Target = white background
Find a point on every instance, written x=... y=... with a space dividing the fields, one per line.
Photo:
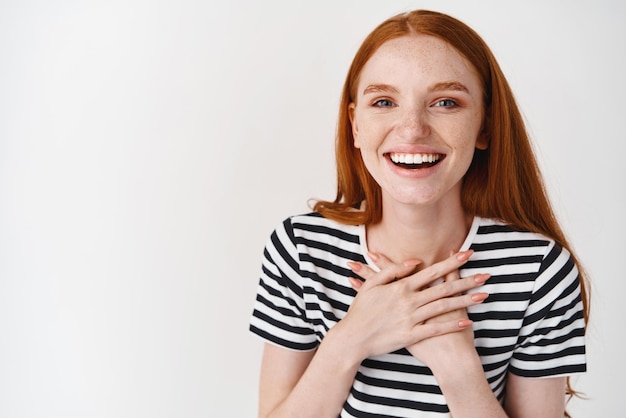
x=148 y=148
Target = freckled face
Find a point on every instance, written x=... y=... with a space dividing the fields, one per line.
x=416 y=119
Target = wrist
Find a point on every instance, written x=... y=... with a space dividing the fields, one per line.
x=467 y=390
x=457 y=368
x=343 y=347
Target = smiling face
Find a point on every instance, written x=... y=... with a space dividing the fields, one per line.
x=416 y=120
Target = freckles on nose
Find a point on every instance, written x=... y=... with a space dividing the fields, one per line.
x=415 y=123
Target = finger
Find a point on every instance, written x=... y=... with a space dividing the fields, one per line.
x=433 y=329
x=440 y=270
x=382 y=261
x=449 y=304
x=391 y=272
x=454 y=274
x=355 y=283
x=450 y=288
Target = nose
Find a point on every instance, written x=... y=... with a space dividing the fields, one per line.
x=414 y=124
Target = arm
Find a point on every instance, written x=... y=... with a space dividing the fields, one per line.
x=296 y=383
x=458 y=369
x=554 y=339
x=280 y=371
x=469 y=395
x=462 y=380
x=532 y=398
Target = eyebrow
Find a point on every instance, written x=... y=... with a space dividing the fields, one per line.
x=449 y=85
x=379 y=88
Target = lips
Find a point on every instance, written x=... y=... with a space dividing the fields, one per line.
x=415 y=161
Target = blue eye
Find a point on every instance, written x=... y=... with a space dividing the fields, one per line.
x=446 y=103
x=383 y=103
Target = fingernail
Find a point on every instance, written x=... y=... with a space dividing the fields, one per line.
x=373 y=256
x=464 y=255
x=464 y=323
x=412 y=262
x=479 y=297
x=481 y=278
x=354 y=266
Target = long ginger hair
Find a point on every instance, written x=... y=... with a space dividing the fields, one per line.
x=502 y=182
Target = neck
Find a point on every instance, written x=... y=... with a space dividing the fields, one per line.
x=425 y=233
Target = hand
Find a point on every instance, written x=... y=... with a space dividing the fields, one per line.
x=447 y=347
x=396 y=307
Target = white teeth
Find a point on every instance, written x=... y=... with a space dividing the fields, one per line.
x=414 y=158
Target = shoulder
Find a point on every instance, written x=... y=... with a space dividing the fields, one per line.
x=526 y=252
x=499 y=230
x=494 y=234
x=314 y=226
x=311 y=236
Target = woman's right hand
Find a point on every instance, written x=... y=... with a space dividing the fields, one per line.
x=393 y=304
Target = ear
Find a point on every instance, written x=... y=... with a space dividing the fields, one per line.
x=353 y=124
x=482 y=142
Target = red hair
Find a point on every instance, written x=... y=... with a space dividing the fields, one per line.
x=502 y=182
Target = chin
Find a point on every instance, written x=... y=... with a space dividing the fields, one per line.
x=414 y=199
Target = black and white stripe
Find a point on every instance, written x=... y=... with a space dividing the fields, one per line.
x=531 y=324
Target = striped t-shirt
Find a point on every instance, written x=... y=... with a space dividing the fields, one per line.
x=531 y=324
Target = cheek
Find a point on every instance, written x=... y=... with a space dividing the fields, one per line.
x=370 y=159
x=466 y=135
x=367 y=135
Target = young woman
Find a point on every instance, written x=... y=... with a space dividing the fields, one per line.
x=438 y=282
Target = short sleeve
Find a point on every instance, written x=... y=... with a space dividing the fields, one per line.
x=279 y=314
x=552 y=338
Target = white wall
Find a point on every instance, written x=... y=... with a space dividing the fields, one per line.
x=148 y=148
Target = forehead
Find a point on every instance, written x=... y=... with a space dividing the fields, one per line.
x=418 y=58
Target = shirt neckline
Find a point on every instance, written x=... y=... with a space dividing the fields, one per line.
x=464 y=247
